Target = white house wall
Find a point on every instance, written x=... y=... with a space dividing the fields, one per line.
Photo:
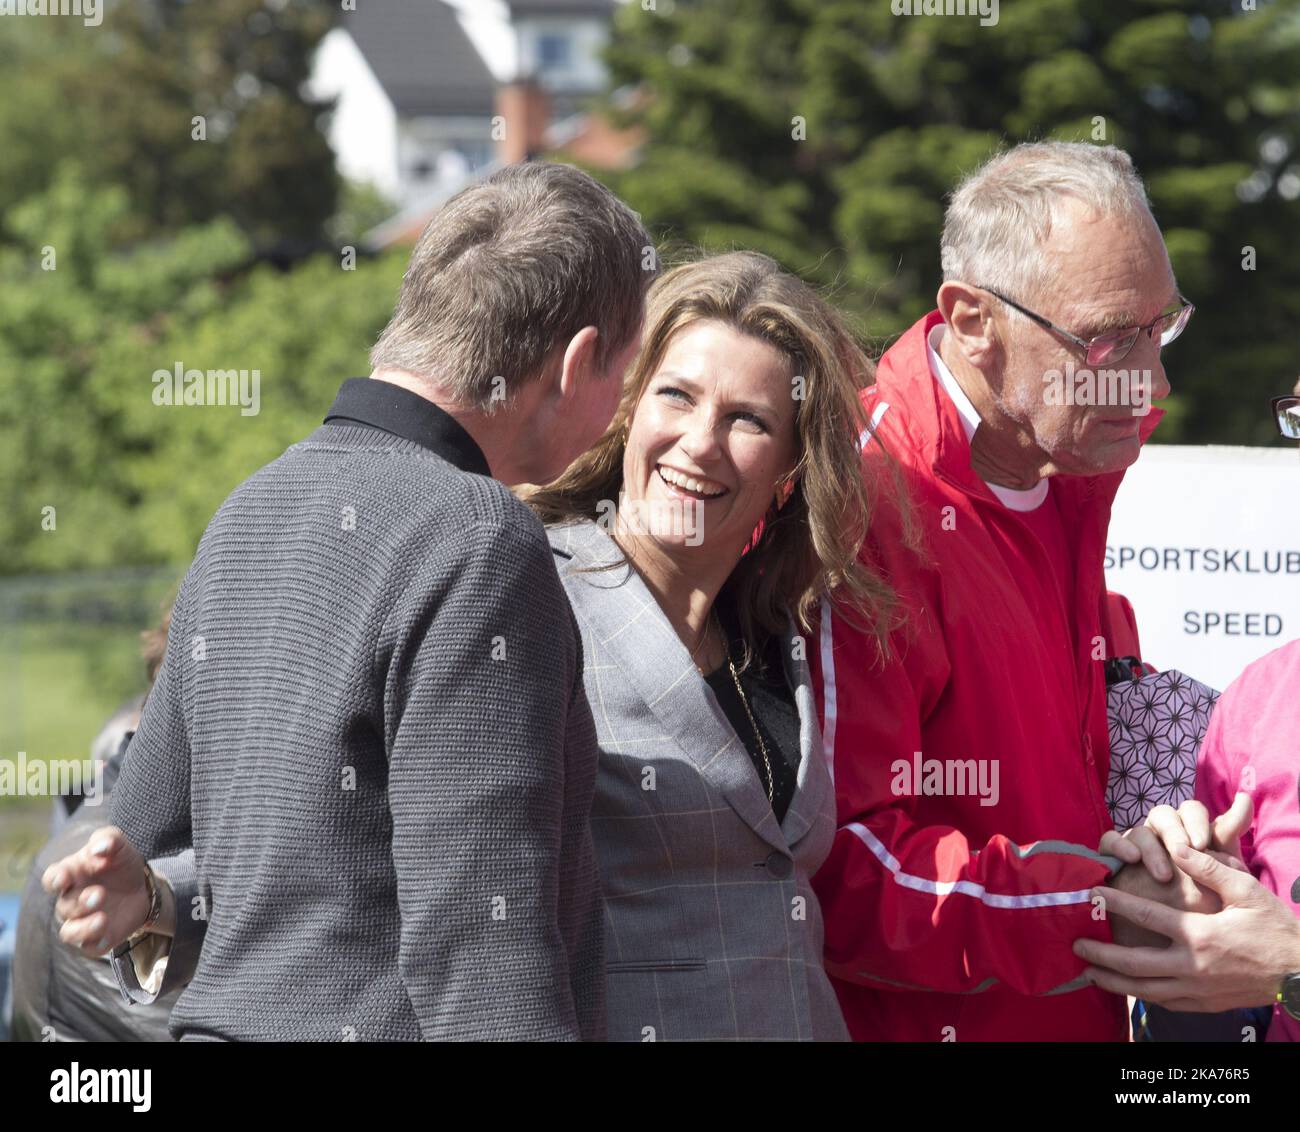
x=363 y=130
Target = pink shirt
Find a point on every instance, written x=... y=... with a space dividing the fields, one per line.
x=1253 y=745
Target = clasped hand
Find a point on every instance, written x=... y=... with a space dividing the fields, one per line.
x=1192 y=928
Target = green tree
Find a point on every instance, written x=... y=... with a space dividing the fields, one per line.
x=827 y=133
x=122 y=99
x=83 y=331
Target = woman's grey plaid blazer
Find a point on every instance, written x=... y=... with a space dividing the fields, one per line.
x=712 y=928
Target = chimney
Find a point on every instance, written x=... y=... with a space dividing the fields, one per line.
x=525 y=114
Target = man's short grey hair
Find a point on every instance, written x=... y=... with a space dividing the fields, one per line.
x=511 y=269
x=1000 y=216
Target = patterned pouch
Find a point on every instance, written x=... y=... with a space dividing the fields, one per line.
x=1157 y=721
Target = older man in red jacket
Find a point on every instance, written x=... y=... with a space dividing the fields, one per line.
x=970 y=764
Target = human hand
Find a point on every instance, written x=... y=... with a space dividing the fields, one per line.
x=1232 y=958
x=102 y=894
x=1167 y=829
x=1180 y=892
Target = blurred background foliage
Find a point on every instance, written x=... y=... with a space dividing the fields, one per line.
x=215 y=254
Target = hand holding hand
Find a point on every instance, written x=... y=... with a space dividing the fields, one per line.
x=1233 y=958
x=1167 y=830
x=1181 y=892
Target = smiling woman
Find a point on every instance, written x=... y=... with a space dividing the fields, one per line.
x=742 y=400
x=734 y=461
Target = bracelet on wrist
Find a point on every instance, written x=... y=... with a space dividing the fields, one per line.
x=155 y=907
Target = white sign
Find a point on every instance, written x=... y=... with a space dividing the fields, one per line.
x=1205 y=542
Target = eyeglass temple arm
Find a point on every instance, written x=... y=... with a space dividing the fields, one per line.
x=1047 y=324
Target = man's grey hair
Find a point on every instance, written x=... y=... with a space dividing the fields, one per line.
x=508 y=271
x=1000 y=216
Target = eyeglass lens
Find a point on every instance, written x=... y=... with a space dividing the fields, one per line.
x=1116 y=347
x=1288 y=418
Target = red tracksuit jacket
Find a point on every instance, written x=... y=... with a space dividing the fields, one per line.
x=947 y=919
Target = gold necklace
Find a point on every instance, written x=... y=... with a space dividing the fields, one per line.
x=744 y=702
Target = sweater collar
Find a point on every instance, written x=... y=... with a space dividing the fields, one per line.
x=398 y=411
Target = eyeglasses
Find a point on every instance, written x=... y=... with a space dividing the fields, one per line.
x=1113 y=347
x=1286 y=411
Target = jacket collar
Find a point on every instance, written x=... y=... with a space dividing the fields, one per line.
x=618 y=608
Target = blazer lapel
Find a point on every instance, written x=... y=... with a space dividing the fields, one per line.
x=813 y=779
x=627 y=621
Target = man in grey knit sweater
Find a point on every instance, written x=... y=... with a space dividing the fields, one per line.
x=369 y=724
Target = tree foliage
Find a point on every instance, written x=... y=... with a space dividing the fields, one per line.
x=131 y=481
x=128 y=246
x=122 y=100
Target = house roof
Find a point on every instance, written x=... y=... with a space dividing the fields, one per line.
x=421 y=56
x=561 y=8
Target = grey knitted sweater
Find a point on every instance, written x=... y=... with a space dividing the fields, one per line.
x=370 y=726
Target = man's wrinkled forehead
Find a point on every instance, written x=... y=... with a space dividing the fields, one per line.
x=1108 y=273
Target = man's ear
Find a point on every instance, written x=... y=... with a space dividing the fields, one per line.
x=968 y=313
x=579 y=362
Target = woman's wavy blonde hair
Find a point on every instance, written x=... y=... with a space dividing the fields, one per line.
x=810 y=547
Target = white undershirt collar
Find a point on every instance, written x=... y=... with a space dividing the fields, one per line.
x=1028 y=500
